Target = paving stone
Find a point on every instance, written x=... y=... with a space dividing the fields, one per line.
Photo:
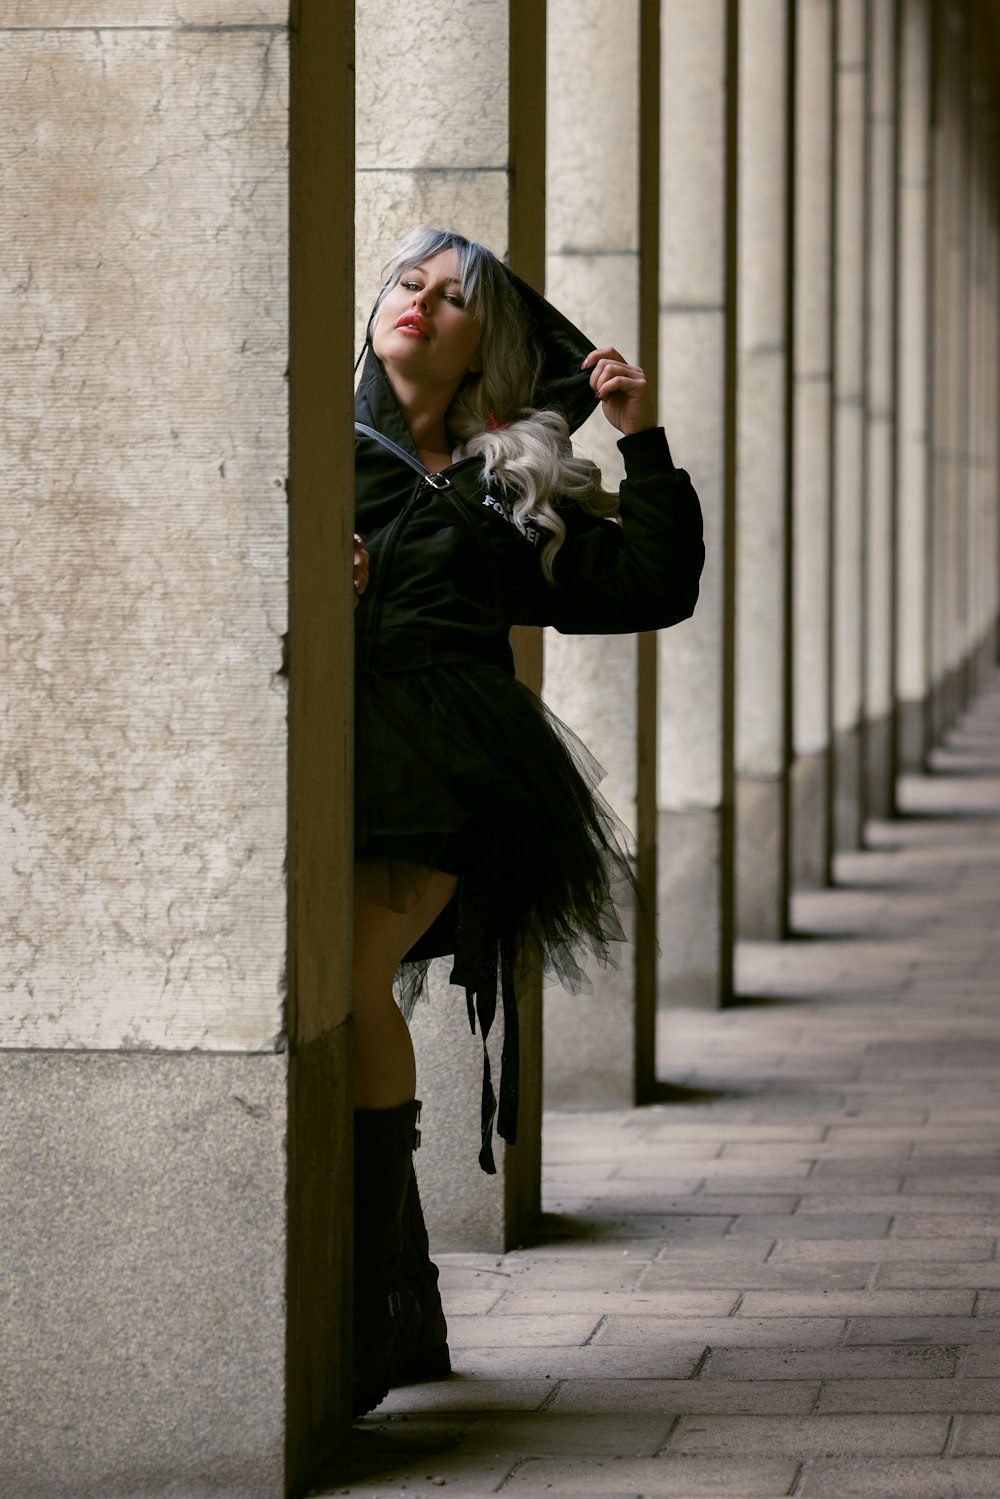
x=930 y=1330
x=918 y=1225
x=659 y=1478
x=640 y=1303
x=983 y=1363
x=928 y=1274
x=722 y=1332
x=705 y=1203
x=563 y=1433
x=814 y=1226
x=901 y=1395
x=876 y=1303
x=783 y=1276
x=977 y=1435
x=668 y=1360
x=904 y=1478
x=691 y=1396
x=889 y=1362
x=620 y=1273
x=803 y=1436
x=977 y=1247
x=462 y=1393
x=553 y=1330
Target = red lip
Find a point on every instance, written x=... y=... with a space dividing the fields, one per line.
x=414 y=322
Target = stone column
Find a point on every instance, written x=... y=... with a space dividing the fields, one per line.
x=591 y=682
x=982 y=560
x=697 y=398
x=948 y=496
x=486 y=179
x=880 y=437
x=812 y=475
x=174 y=1021
x=988 y=397
x=913 y=393
x=849 y=425
x=763 y=581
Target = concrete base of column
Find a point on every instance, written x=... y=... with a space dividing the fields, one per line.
x=847 y=808
x=144 y=1235
x=464 y=1208
x=985 y=662
x=810 y=833
x=880 y=791
x=590 y=1039
x=911 y=737
x=948 y=699
x=761 y=860
x=690 y=917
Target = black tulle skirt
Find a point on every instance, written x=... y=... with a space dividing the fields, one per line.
x=463 y=769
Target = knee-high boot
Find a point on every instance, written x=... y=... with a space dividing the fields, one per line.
x=384 y=1140
x=421 y=1351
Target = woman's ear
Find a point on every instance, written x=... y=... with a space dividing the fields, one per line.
x=475 y=365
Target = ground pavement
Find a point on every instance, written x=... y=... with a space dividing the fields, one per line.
x=786 y=1280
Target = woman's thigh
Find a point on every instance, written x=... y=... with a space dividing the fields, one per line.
x=383 y=936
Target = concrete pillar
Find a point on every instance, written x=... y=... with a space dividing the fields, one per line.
x=913 y=389
x=849 y=425
x=697 y=390
x=987 y=385
x=812 y=449
x=950 y=292
x=763 y=491
x=982 y=429
x=175 y=1023
x=880 y=436
x=464 y=149
x=592 y=682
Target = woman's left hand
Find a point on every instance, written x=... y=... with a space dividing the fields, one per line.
x=360 y=569
x=622 y=391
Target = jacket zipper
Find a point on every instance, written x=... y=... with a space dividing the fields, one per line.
x=392 y=540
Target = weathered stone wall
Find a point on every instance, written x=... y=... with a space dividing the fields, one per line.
x=144 y=773
x=142 y=784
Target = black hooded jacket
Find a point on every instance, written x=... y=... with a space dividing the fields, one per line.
x=450 y=573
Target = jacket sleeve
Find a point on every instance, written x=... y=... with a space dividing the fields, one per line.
x=640 y=575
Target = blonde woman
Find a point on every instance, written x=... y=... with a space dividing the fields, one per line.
x=479 y=833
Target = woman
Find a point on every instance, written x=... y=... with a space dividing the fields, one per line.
x=478 y=832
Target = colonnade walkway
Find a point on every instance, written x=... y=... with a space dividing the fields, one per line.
x=785 y=1278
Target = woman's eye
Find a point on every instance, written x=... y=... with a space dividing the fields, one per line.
x=410 y=285
x=456 y=301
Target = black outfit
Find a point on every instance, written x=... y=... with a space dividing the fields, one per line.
x=458 y=766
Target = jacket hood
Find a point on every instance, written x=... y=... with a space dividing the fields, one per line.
x=562 y=385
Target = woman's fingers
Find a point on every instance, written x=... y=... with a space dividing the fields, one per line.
x=622 y=389
x=360 y=569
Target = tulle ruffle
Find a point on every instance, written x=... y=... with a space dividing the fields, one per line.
x=463 y=769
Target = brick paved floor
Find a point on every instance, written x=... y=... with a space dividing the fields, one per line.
x=785 y=1280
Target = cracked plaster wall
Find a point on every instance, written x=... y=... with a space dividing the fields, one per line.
x=143 y=555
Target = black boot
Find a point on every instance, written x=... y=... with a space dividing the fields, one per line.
x=384 y=1140
x=422 y=1349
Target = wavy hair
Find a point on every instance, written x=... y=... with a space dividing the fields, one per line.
x=532 y=456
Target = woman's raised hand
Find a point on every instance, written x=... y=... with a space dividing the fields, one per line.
x=360 y=569
x=622 y=391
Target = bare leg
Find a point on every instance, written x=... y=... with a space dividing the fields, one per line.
x=385 y=1071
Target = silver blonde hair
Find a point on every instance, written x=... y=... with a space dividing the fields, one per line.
x=532 y=456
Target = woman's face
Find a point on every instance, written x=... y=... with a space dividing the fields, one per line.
x=424 y=331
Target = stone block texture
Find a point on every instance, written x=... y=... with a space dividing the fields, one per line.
x=143 y=558
x=143 y=1242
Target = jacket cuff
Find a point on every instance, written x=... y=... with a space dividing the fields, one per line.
x=646 y=451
